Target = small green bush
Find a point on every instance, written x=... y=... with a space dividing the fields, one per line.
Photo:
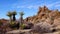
x=12 y=23
x=22 y=26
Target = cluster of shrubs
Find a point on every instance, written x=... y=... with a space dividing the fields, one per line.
x=27 y=26
x=22 y=26
x=14 y=25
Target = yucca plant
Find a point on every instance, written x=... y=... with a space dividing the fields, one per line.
x=22 y=26
x=9 y=14
x=14 y=13
x=12 y=25
x=21 y=17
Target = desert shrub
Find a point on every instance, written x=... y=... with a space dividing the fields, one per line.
x=14 y=25
x=22 y=26
x=26 y=26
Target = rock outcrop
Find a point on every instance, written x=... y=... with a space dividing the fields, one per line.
x=45 y=21
x=44 y=14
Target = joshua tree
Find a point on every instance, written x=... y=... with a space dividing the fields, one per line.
x=14 y=13
x=9 y=14
x=21 y=18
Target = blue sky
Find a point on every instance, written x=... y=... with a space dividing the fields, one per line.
x=30 y=7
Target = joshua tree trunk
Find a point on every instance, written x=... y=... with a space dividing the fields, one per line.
x=14 y=17
x=21 y=20
x=10 y=20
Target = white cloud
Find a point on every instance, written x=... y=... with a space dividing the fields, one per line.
x=55 y=4
x=28 y=6
x=33 y=6
x=20 y=6
x=15 y=5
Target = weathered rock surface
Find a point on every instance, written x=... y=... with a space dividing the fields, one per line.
x=42 y=27
x=44 y=14
x=45 y=20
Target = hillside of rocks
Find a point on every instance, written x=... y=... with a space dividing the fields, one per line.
x=45 y=21
x=44 y=14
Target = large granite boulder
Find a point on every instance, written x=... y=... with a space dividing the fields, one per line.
x=42 y=27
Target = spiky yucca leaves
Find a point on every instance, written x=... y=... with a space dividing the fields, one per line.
x=21 y=13
x=9 y=14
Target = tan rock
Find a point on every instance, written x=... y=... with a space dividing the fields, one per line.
x=44 y=14
x=57 y=22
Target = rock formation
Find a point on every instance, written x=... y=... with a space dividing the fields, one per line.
x=45 y=21
x=44 y=14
